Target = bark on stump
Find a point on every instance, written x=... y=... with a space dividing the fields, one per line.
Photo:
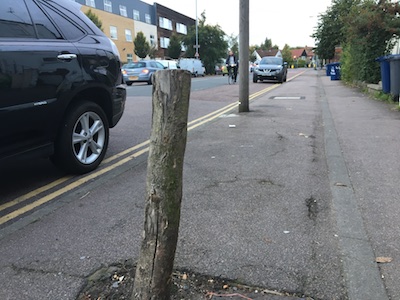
x=171 y=92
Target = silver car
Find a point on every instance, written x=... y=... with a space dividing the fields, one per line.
x=141 y=71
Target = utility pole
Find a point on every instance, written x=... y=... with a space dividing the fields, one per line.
x=244 y=56
x=197 y=36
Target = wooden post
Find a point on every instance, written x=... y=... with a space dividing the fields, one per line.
x=171 y=92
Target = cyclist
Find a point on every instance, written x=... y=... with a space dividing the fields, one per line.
x=232 y=60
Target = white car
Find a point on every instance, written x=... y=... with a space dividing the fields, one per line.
x=193 y=65
x=169 y=64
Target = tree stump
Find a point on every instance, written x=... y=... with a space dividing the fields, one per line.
x=171 y=92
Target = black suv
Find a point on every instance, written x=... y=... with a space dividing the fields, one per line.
x=60 y=84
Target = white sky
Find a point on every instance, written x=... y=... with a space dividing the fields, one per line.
x=283 y=21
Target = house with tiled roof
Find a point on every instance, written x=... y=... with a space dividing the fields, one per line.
x=300 y=53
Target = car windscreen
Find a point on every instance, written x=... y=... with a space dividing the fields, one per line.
x=271 y=61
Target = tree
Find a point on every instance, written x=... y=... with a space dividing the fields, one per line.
x=142 y=46
x=364 y=29
x=233 y=44
x=267 y=44
x=252 y=48
x=95 y=19
x=330 y=31
x=287 y=54
x=212 y=42
x=153 y=51
x=175 y=47
x=163 y=185
x=369 y=34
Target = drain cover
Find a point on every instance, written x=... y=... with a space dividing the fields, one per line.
x=288 y=97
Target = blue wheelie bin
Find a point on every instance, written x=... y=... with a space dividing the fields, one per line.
x=394 y=61
x=385 y=73
x=335 y=71
x=328 y=69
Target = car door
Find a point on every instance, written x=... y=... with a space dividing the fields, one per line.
x=36 y=65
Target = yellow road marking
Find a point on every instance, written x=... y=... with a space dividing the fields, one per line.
x=34 y=193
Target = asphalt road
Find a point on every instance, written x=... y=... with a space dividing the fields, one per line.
x=300 y=195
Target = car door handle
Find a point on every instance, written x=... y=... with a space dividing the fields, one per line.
x=66 y=57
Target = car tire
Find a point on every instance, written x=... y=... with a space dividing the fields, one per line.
x=129 y=83
x=83 y=138
x=149 y=82
x=255 y=80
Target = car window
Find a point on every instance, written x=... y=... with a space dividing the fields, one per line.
x=77 y=17
x=15 y=21
x=136 y=65
x=158 y=65
x=271 y=61
x=69 y=29
x=44 y=27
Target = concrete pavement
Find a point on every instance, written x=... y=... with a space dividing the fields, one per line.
x=299 y=195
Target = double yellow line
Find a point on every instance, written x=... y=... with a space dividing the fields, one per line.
x=126 y=156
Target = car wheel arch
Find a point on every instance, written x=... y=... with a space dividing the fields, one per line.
x=97 y=95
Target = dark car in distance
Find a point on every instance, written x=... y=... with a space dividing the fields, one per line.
x=141 y=71
x=270 y=68
x=61 y=87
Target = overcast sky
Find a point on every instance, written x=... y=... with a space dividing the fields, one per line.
x=283 y=21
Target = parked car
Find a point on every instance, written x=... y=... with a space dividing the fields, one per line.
x=60 y=84
x=140 y=71
x=270 y=68
x=193 y=65
x=169 y=64
x=224 y=70
x=217 y=70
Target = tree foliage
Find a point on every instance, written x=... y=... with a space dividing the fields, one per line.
x=253 y=48
x=142 y=46
x=175 y=46
x=266 y=45
x=369 y=35
x=287 y=54
x=95 y=19
x=364 y=29
x=330 y=31
x=233 y=44
x=212 y=42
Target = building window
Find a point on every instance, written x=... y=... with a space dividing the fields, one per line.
x=122 y=11
x=136 y=15
x=128 y=35
x=113 y=33
x=152 y=40
x=108 y=6
x=129 y=57
x=90 y=3
x=164 y=42
x=181 y=28
x=165 y=23
x=148 y=18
